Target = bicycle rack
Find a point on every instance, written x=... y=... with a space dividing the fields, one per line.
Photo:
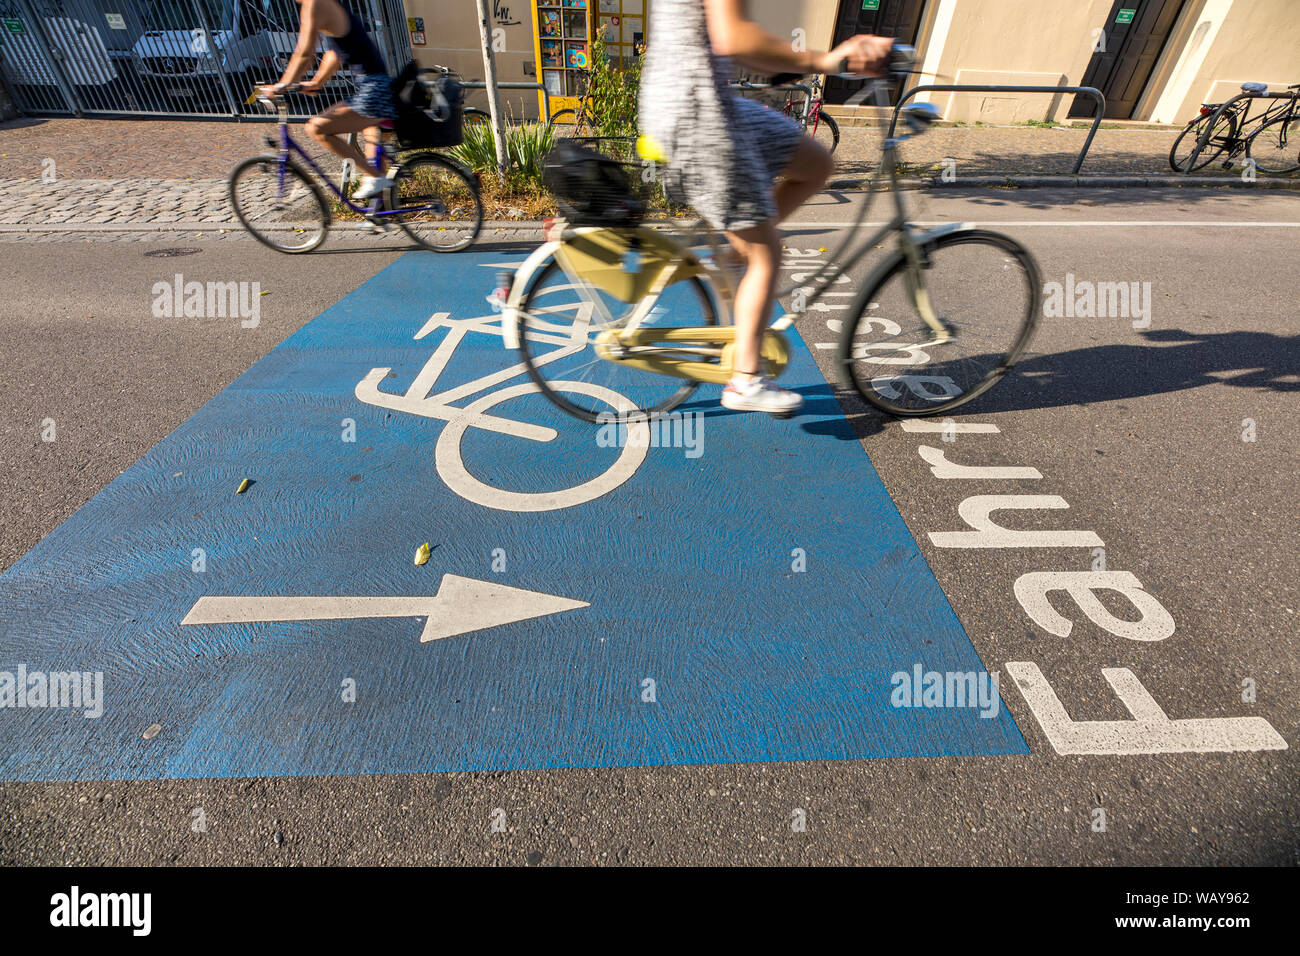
x=1096 y=94
x=1204 y=139
x=512 y=85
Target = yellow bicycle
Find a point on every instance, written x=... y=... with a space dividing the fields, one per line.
x=626 y=306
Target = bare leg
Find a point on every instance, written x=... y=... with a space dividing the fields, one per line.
x=760 y=249
x=809 y=169
x=760 y=246
x=331 y=127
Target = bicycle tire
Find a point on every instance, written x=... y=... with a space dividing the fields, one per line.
x=473 y=117
x=565 y=372
x=824 y=130
x=888 y=270
x=579 y=128
x=247 y=217
x=427 y=180
x=1211 y=151
x=1280 y=139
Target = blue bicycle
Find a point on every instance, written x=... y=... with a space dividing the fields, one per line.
x=434 y=199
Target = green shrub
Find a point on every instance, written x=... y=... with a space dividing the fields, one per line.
x=526 y=146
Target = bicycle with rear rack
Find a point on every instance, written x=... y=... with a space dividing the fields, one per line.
x=806 y=110
x=938 y=322
x=434 y=199
x=1270 y=141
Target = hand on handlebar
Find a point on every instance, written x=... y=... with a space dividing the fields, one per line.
x=862 y=55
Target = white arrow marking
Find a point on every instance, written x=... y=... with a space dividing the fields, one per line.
x=460 y=606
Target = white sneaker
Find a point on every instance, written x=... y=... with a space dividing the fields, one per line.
x=372 y=186
x=760 y=395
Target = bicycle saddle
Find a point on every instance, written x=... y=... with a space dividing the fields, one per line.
x=1254 y=87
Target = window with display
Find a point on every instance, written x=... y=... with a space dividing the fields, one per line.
x=623 y=25
x=563 y=47
x=565 y=29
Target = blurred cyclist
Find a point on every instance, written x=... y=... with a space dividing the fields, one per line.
x=728 y=150
x=346 y=44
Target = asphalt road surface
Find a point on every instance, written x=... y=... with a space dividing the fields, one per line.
x=1175 y=445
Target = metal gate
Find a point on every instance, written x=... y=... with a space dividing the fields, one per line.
x=167 y=57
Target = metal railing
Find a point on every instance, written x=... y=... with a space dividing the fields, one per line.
x=1096 y=94
x=512 y=85
x=198 y=58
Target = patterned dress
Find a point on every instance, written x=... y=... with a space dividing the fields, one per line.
x=723 y=150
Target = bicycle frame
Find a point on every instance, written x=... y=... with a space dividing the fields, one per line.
x=1239 y=107
x=288 y=146
x=911 y=241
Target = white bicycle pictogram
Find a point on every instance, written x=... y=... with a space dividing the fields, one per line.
x=421 y=399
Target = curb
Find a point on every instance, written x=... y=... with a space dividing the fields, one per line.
x=1081 y=182
x=230 y=227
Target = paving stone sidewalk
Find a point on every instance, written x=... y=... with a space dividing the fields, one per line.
x=162 y=172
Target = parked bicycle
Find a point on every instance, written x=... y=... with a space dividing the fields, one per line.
x=1271 y=140
x=434 y=199
x=806 y=110
x=939 y=321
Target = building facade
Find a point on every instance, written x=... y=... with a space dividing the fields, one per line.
x=1155 y=60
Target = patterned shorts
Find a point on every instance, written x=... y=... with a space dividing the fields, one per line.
x=374 y=96
x=738 y=195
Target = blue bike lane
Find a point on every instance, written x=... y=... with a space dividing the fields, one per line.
x=747 y=597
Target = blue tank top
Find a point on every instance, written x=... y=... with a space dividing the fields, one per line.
x=355 y=48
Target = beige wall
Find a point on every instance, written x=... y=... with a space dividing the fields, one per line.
x=451 y=32
x=1013 y=42
x=1219 y=45
x=816 y=18
x=1214 y=47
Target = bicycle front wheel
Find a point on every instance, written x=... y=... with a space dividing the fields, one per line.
x=437 y=203
x=279 y=205
x=562 y=315
x=981 y=288
x=1276 y=147
x=825 y=131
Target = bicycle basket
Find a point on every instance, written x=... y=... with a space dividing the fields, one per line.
x=590 y=188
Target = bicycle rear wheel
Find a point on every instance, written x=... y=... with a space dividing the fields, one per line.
x=473 y=117
x=1224 y=131
x=983 y=288
x=287 y=213
x=437 y=203
x=1276 y=147
x=561 y=316
x=571 y=124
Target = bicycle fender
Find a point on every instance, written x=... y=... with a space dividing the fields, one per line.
x=523 y=276
x=844 y=352
x=843 y=355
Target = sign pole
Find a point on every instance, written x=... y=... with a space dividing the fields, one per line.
x=490 y=76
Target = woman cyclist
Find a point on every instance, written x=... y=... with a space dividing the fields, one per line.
x=728 y=179
x=346 y=44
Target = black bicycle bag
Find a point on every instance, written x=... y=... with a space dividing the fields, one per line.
x=429 y=113
x=591 y=189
